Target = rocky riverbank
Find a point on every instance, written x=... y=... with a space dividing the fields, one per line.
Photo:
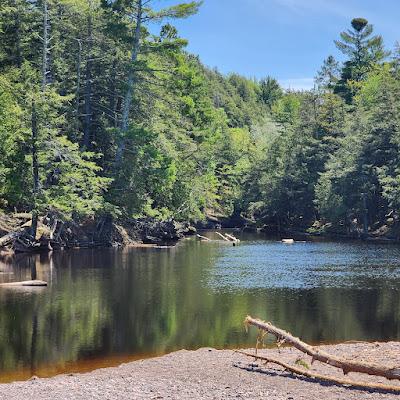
x=211 y=374
x=54 y=233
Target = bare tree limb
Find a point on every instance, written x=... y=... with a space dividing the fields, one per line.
x=345 y=365
x=341 y=381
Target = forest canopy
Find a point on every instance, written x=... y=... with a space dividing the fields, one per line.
x=101 y=115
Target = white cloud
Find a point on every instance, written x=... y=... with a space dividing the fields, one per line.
x=297 y=83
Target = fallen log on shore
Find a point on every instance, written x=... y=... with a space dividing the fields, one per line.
x=345 y=365
x=53 y=233
x=327 y=378
x=34 y=283
x=9 y=238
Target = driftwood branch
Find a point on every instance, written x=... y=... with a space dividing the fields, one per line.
x=345 y=365
x=203 y=238
x=228 y=238
x=9 y=238
x=222 y=236
x=24 y=283
x=231 y=237
x=299 y=371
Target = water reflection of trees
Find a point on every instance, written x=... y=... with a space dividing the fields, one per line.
x=49 y=325
x=140 y=300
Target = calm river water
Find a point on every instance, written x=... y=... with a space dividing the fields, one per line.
x=103 y=307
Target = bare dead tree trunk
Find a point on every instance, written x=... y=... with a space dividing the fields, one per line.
x=131 y=82
x=88 y=87
x=45 y=52
x=327 y=378
x=365 y=214
x=78 y=81
x=34 y=123
x=18 y=38
x=345 y=365
x=113 y=101
x=35 y=170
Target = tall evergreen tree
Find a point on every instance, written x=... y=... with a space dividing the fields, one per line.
x=142 y=14
x=270 y=91
x=328 y=76
x=364 y=50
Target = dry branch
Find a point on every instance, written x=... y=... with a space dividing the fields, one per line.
x=345 y=365
x=231 y=237
x=203 y=238
x=223 y=237
x=24 y=283
x=298 y=371
x=9 y=238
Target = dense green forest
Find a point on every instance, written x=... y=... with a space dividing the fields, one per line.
x=102 y=111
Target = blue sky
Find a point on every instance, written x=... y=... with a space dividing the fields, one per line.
x=287 y=39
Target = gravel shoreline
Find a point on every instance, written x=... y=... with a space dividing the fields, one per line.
x=210 y=374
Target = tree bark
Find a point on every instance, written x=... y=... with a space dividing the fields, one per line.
x=345 y=365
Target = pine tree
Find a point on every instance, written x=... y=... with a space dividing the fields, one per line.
x=328 y=76
x=364 y=50
x=142 y=14
x=270 y=91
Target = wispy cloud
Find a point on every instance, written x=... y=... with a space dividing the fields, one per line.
x=306 y=7
x=344 y=9
x=297 y=83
